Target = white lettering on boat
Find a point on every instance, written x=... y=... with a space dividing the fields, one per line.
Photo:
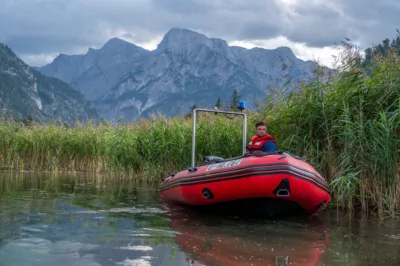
x=224 y=164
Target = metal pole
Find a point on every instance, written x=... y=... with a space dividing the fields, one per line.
x=244 y=133
x=215 y=111
x=193 y=136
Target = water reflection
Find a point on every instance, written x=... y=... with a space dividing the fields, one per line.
x=100 y=220
x=66 y=220
x=210 y=240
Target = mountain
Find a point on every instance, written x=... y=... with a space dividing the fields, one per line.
x=98 y=70
x=187 y=68
x=26 y=93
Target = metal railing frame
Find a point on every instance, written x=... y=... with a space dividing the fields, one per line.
x=194 y=114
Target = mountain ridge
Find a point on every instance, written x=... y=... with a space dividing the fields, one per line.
x=126 y=80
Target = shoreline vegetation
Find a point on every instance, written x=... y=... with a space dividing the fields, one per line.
x=347 y=125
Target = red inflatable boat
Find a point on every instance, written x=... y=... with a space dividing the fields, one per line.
x=257 y=176
x=268 y=182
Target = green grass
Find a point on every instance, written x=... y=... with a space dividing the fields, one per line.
x=348 y=128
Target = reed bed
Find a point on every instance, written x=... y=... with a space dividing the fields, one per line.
x=348 y=127
x=147 y=150
x=346 y=124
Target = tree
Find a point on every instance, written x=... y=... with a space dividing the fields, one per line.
x=194 y=106
x=368 y=60
x=234 y=100
x=218 y=104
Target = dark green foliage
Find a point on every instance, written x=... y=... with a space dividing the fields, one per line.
x=234 y=100
x=218 y=104
x=382 y=49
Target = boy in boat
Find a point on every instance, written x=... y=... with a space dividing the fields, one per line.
x=262 y=141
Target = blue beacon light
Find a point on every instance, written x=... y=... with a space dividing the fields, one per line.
x=242 y=105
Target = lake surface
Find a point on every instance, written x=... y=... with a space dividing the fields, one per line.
x=48 y=219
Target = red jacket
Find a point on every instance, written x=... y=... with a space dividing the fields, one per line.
x=256 y=143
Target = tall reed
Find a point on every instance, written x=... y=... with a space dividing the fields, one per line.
x=348 y=128
x=148 y=149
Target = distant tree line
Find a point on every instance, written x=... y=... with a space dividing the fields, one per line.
x=382 y=49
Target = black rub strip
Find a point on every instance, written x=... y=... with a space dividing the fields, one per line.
x=249 y=174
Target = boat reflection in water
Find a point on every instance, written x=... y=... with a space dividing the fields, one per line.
x=209 y=239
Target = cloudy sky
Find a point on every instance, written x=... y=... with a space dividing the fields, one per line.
x=38 y=30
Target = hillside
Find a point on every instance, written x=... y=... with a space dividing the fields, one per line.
x=26 y=93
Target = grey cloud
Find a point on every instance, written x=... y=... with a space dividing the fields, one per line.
x=47 y=43
x=51 y=25
x=364 y=21
x=64 y=26
x=59 y=24
x=323 y=11
x=372 y=21
x=384 y=10
x=183 y=6
x=317 y=25
x=229 y=20
x=258 y=30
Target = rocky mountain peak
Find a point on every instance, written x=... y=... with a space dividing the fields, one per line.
x=177 y=38
x=285 y=51
x=119 y=45
x=113 y=42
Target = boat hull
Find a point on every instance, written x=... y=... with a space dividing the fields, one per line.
x=274 y=176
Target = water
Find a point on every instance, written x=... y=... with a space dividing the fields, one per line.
x=84 y=220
